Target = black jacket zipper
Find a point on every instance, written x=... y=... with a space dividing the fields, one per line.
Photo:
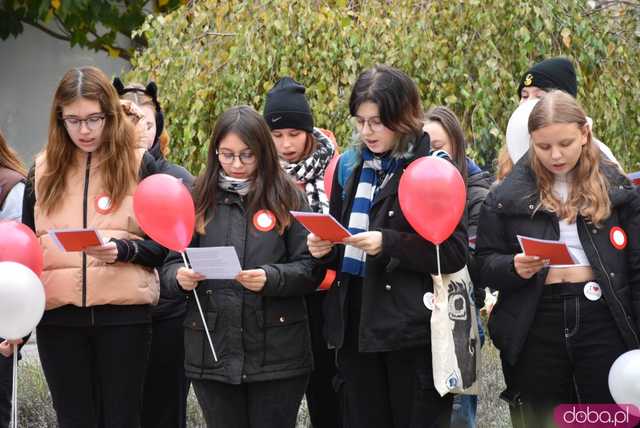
x=84 y=225
x=606 y=274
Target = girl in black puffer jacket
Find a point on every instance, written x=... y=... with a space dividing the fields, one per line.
x=374 y=313
x=258 y=321
x=561 y=328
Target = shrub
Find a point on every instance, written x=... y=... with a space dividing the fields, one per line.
x=467 y=54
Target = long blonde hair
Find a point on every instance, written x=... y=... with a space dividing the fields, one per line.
x=588 y=195
x=119 y=167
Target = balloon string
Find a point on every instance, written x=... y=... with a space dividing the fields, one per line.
x=204 y=322
x=14 y=389
x=438 y=258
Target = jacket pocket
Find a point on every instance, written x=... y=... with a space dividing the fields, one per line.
x=286 y=331
x=197 y=352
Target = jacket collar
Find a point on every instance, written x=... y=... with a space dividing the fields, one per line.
x=518 y=193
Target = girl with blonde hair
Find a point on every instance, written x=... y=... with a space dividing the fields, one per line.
x=560 y=328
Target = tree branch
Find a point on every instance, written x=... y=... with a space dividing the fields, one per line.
x=48 y=31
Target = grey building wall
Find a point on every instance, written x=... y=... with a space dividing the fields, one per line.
x=31 y=67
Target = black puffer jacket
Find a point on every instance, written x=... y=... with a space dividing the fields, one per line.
x=478 y=185
x=170 y=305
x=392 y=315
x=257 y=336
x=510 y=210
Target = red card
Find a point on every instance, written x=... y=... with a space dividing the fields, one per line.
x=322 y=225
x=75 y=239
x=634 y=177
x=555 y=251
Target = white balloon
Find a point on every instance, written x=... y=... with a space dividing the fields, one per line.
x=518 y=130
x=624 y=379
x=21 y=300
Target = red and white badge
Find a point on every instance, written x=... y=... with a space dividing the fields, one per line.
x=618 y=238
x=264 y=220
x=592 y=291
x=102 y=204
x=428 y=300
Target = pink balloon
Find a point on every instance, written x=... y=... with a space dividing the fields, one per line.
x=164 y=210
x=328 y=175
x=432 y=197
x=19 y=244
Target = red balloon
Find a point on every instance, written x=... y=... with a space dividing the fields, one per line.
x=432 y=197
x=328 y=175
x=164 y=210
x=19 y=244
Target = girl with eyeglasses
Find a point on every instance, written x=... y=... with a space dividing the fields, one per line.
x=164 y=403
x=305 y=153
x=95 y=335
x=560 y=328
x=258 y=321
x=374 y=315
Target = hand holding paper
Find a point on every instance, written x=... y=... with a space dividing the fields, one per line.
x=252 y=279
x=317 y=246
x=107 y=253
x=188 y=279
x=527 y=266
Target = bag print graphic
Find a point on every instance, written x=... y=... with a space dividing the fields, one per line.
x=455 y=342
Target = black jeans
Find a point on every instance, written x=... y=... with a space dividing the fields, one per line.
x=268 y=404
x=324 y=410
x=566 y=358
x=387 y=389
x=95 y=374
x=6 y=383
x=164 y=403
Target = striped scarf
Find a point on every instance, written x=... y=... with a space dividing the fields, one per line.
x=309 y=172
x=376 y=172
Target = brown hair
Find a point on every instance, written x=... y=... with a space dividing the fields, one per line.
x=9 y=159
x=588 y=195
x=271 y=187
x=451 y=126
x=504 y=164
x=140 y=98
x=398 y=101
x=118 y=167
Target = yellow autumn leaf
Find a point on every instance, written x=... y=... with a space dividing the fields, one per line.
x=113 y=52
x=566 y=37
x=55 y=4
x=162 y=3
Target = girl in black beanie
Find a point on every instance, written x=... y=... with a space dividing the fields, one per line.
x=305 y=153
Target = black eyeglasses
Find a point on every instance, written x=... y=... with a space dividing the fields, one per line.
x=227 y=158
x=92 y=122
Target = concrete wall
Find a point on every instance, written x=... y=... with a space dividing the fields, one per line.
x=32 y=66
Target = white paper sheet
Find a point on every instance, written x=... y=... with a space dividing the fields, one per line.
x=215 y=262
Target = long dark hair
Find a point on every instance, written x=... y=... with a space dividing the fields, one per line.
x=271 y=187
x=398 y=101
x=451 y=125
